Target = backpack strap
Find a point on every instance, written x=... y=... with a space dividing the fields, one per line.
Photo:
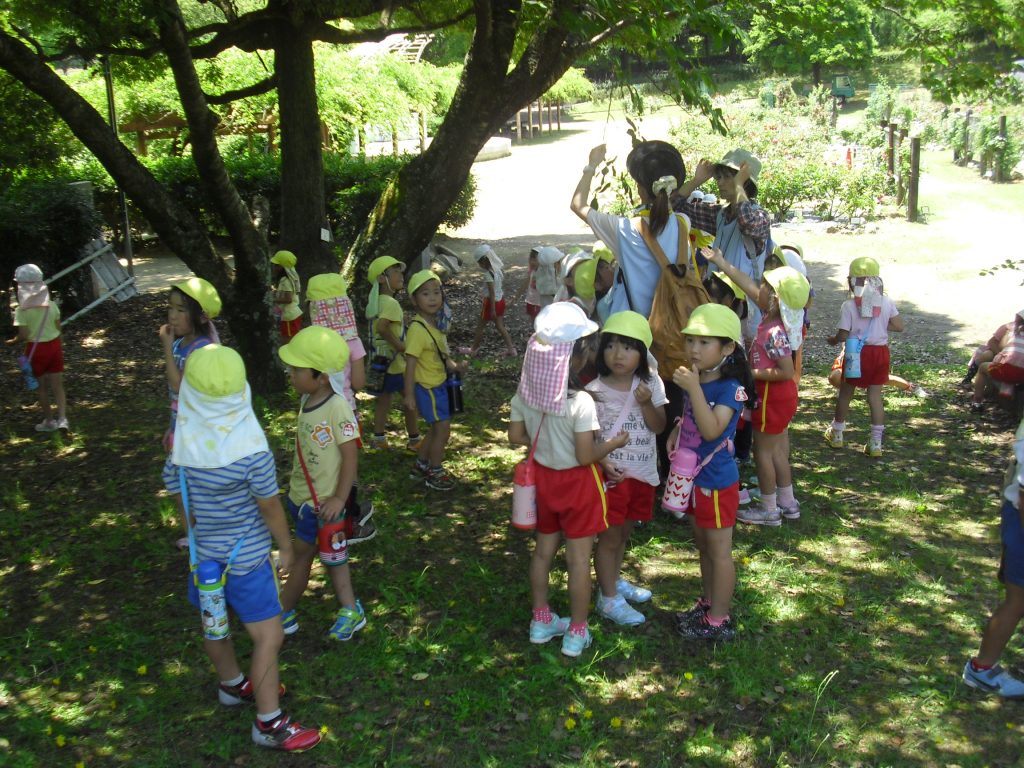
x=644 y=228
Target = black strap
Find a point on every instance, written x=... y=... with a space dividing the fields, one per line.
x=444 y=360
x=621 y=277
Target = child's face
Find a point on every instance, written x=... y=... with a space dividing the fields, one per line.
x=303 y=380
x=765 y=295
x=605 y=276
x=621 y=357
x=584 y=352
x=428 y=298
x=534 y=262
x=706 y=352
x=394 y=276
x=177 y=315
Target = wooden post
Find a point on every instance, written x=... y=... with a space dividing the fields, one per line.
x=558 y=115
x=394 y=141
x=915 y=177
x=550 y=122
x=967 y=137
x=890 y=152
x=423 y=131
x=1002 y=150
x=529 y=117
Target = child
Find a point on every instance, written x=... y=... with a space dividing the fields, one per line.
x=549 y=260
x=1001 y=337
x=323 y=471
x=630 y=398
x=552 y=409
x=780 y=298
x=869 y=316
x=604 y=279
x=1006 y=368
x=387 y=339
x=37 y=318
x=427 y=363
x=493 y=296
x=715 y=391
x=193 y=304
x=529 y=288
x=221 y=464
x=983 y=671
x=286 y=294
x=330 y=307
x=580 y=272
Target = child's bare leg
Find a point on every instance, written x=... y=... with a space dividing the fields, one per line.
x=423 y=452
x=899 y=381
x=380 y=413
x=981 y=383
x=298 y=578
x=764 y=458
x=846 y=391
x=341 y=579
x=412 y=426
x=780 y=461
x=707 y=566
x=1001 y=626
x=222 y=654
x=267 y=637
x=478 y=336
x=875 y=404
x=723 y=582
x=440 y=432
x=611 y=548
x=540 y=567
x=577 y=558
x=59 y=398
x=44 y=395
x=500 y=323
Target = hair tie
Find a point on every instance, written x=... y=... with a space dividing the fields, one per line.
x=666 y=184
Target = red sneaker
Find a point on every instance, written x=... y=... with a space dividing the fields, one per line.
x=243 y=693
x=285 y=734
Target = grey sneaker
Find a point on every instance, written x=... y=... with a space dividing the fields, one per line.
x=791 y=512
x=995 y=680
x=758 y=515
x=618 y=610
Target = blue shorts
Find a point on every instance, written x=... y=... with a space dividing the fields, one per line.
x=306 y=522
x=252 y=596
x=1011 y=569
x=393 y=382
x=433 y=403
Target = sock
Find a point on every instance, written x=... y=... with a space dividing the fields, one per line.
x=414 y=437
x=838 y=427
x=379 y=434
x=876 y=432
x=715 y=622
x=235 y=681
x=980 y=667
x=785 y=495
x=270 y=717
x=421 y=464
x=543 y=615
x=436 y=470
x=768 y=502
x=578 y=629
x=703 y=603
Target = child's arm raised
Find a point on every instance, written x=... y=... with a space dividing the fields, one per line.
x=743 y=280
x=332 y=507
x=273 y=516
x=711 y=422
x=170 y=367
x=580 y=204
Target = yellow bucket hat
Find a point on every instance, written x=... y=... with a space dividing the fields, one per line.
x=630 y=324
x=602 y=252
x=215 y=370
x=420 y=278
x=738 y=292
x=379 y=266
x=583 y=279
x=203 y=292
x=864 y=266
x=714 y=320
x=329 y=285
x=284 y=259
x=316 y=347
x=791 y=287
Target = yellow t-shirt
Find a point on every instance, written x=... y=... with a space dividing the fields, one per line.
x=321 y=431
x=419 y=343
x=292 y=310
x=33 y=317
x=389 y=309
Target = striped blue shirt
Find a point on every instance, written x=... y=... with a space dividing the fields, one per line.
x=223 y=503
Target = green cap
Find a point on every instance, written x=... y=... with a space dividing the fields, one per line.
x=315 y=347
x=791 y=287
x=714 y=320
x=203 y=292
x=630 y=324
x=420 y=278
x=379 y=265
x=215 y=370
x=864 y=266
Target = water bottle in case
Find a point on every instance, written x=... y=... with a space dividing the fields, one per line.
x=213 y=605
x=454 y=385
x=31 y=382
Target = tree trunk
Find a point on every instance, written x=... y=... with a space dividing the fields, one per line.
x=816 y=72
x=248 y=313
x=303 y=209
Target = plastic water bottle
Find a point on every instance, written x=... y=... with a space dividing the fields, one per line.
x=31 y=382
x=454 y=385
x=213 y=605
x=333 y=544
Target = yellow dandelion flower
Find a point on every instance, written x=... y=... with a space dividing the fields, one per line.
x=55 y=682
x=569 y=724
x=587 y=714
x=60 y=740
x=573 y=709
x=426 y=702
x=746 y=561
x=79 y=764
x=142 y=669
x=616 y=722
x=688 y=675
x=92 y=649
x=49 y=730
x=323 y=730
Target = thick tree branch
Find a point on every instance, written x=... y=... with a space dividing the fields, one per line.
x=263 y=86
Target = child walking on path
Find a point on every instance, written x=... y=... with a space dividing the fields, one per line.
x=323 y=471
x=387 y=340
x=867 y=317
x=37 y=318
x=286 y=294
x=983 y=671
x=781 y=297
x=493 y=295
x=427 y=363
x=222 y=475
x=715 y=390
x=552 y=411
x=529 y=288
x=630 y=398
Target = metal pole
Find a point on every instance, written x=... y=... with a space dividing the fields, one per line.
x=915 y=177
x=112 y=117
x=1002 y=149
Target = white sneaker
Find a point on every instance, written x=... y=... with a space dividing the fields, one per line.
x=47 y=425
x=63 y=424
x=632 y=592
x=758 y=515
x=619 y=611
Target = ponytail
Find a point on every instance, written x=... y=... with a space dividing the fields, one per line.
x=736 y=367
x=660 y=211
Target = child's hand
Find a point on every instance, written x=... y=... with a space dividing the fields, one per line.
x=743 y=174
x=642 y=394
x=833 y=340
x=285 y=558
x=331 y=509
x=597 y=155
x=619 y=441
x=705 y=171
x=166 y=337
x=410 y=403
x=713 y=255
x=686 y=378
x=462 y=367
x=611 y=472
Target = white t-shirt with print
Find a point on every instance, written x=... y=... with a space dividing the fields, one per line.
x=638 y=459
x=556 y=446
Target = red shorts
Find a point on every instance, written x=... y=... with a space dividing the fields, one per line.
x=532 y=309
x=776 y=406
x=1002 y=372
x=630 y=499
x=491 y=311
x=874 y=366
x=290 y=327
x=571 y=501
x=48 y=357
x=715 y=509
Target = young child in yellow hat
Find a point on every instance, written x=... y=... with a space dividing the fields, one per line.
x=287 y=296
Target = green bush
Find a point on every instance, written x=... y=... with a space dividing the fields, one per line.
x=996 y=150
